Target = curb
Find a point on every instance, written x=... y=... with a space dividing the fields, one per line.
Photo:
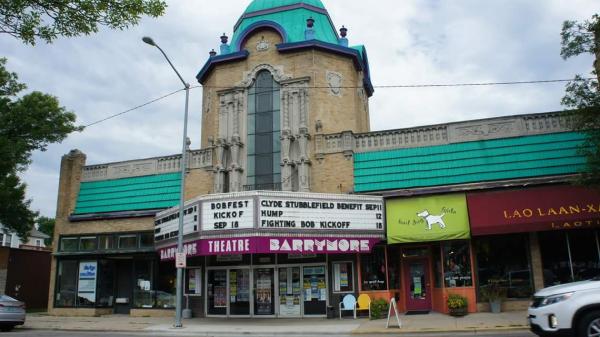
x=435 y=330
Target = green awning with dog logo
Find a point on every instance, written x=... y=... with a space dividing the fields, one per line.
x=430 y=218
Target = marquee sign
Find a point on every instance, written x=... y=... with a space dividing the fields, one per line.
x=259 y=245
x=319 y=214
x=166 y=224
x=227 y=214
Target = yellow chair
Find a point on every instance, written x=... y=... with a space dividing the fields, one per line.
x=364 y=303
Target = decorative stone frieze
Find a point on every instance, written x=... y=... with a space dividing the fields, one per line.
x=334 y=81
x=249 y=76
x=349 y=143
x=197 y=159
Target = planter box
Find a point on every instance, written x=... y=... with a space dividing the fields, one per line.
x=458 y=312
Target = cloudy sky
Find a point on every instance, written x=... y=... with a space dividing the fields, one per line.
x=409 y=42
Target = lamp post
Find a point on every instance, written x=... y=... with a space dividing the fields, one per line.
x=178 y=293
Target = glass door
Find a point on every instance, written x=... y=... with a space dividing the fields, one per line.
x=239 y=292
x=216 y=291
x=264 y=286
x=289 y=292
x=315 y=290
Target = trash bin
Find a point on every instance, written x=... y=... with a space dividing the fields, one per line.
x=331 y=311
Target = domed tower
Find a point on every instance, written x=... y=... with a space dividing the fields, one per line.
x=285 y=76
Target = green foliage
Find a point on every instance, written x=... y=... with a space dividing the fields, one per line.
x=46 y=226
x=583 y=95
x=27 y=123
x=379 y=308
x=29 y=20
x=456 y=301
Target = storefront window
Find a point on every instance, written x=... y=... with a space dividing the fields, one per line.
x=343 y=276
x=193 y=283
x=504 y=260
x=66 y=285
x=127 y=241
x=106 y=269
x=394 y=266
x=69 y=244
x=372 y=269
x=106 y=242
x=86 y=283
x=457 y=264
x=142 y=288
x=87 y=243
x=556 y=247
x=436 y=254
x=165 y=291
x=146 y=240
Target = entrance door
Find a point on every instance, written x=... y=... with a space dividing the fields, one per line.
x=124 y=286
x=418 y=292
x=216 y=292
x=264 y=286
x=239 y=292
x=289 y=292
x=314 y=290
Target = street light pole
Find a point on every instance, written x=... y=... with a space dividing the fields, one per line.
x=179 y=291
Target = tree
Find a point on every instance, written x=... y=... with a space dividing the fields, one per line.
x=46 y=226
x=583 y=94
x=27 y=123
x=29 y=20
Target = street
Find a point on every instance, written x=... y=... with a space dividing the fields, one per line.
x=51 y=333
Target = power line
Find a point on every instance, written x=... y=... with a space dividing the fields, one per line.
x=134 y=108
x=355 y=87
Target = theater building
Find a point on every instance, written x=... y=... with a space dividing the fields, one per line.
x=292 y=202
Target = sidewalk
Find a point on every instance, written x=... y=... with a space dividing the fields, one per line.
x=433 y=322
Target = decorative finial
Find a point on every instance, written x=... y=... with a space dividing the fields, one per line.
x=212 y=53
x=310 y=22
x=343 y=31
x=224 y=38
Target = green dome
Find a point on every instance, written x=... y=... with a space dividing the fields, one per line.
x=259 y=5
x=288 y=17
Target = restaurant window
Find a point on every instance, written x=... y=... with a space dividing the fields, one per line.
x=69 y=244
x=106 y=242
x=556 y=247
x=504 y=260
x=343 y=276
x=372 y=270
x=66 y=283
x=128 y=241
x=87 y=243
x=394 y=266
x=457 y=264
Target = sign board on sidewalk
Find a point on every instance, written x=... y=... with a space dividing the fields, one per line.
x=393 y=305
x=180 y=261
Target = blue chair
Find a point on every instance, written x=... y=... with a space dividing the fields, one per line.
x=348 y=304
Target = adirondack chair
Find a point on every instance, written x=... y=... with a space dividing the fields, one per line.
x=348 y=304
x=364 y=303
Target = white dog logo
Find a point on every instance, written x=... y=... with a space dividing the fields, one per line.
x=432 y=219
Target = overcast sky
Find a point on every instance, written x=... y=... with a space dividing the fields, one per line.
x=408 y=42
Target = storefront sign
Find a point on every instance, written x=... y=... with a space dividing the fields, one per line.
x=86 y=287
x=431 y=218
x=320 y=214
x=167 y=222
x=534 y=209
x=255 y=245
x=227 y=214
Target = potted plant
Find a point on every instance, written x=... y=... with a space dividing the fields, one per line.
x=457 y=305
x=493 y=292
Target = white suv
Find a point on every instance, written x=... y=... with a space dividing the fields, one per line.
x=571 y=309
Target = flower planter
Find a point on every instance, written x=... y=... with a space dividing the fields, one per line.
x=458 y=312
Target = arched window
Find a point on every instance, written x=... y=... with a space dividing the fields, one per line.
x=263 y=143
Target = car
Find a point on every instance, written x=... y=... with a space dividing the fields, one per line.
x=571 y=309
x=12 y=313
